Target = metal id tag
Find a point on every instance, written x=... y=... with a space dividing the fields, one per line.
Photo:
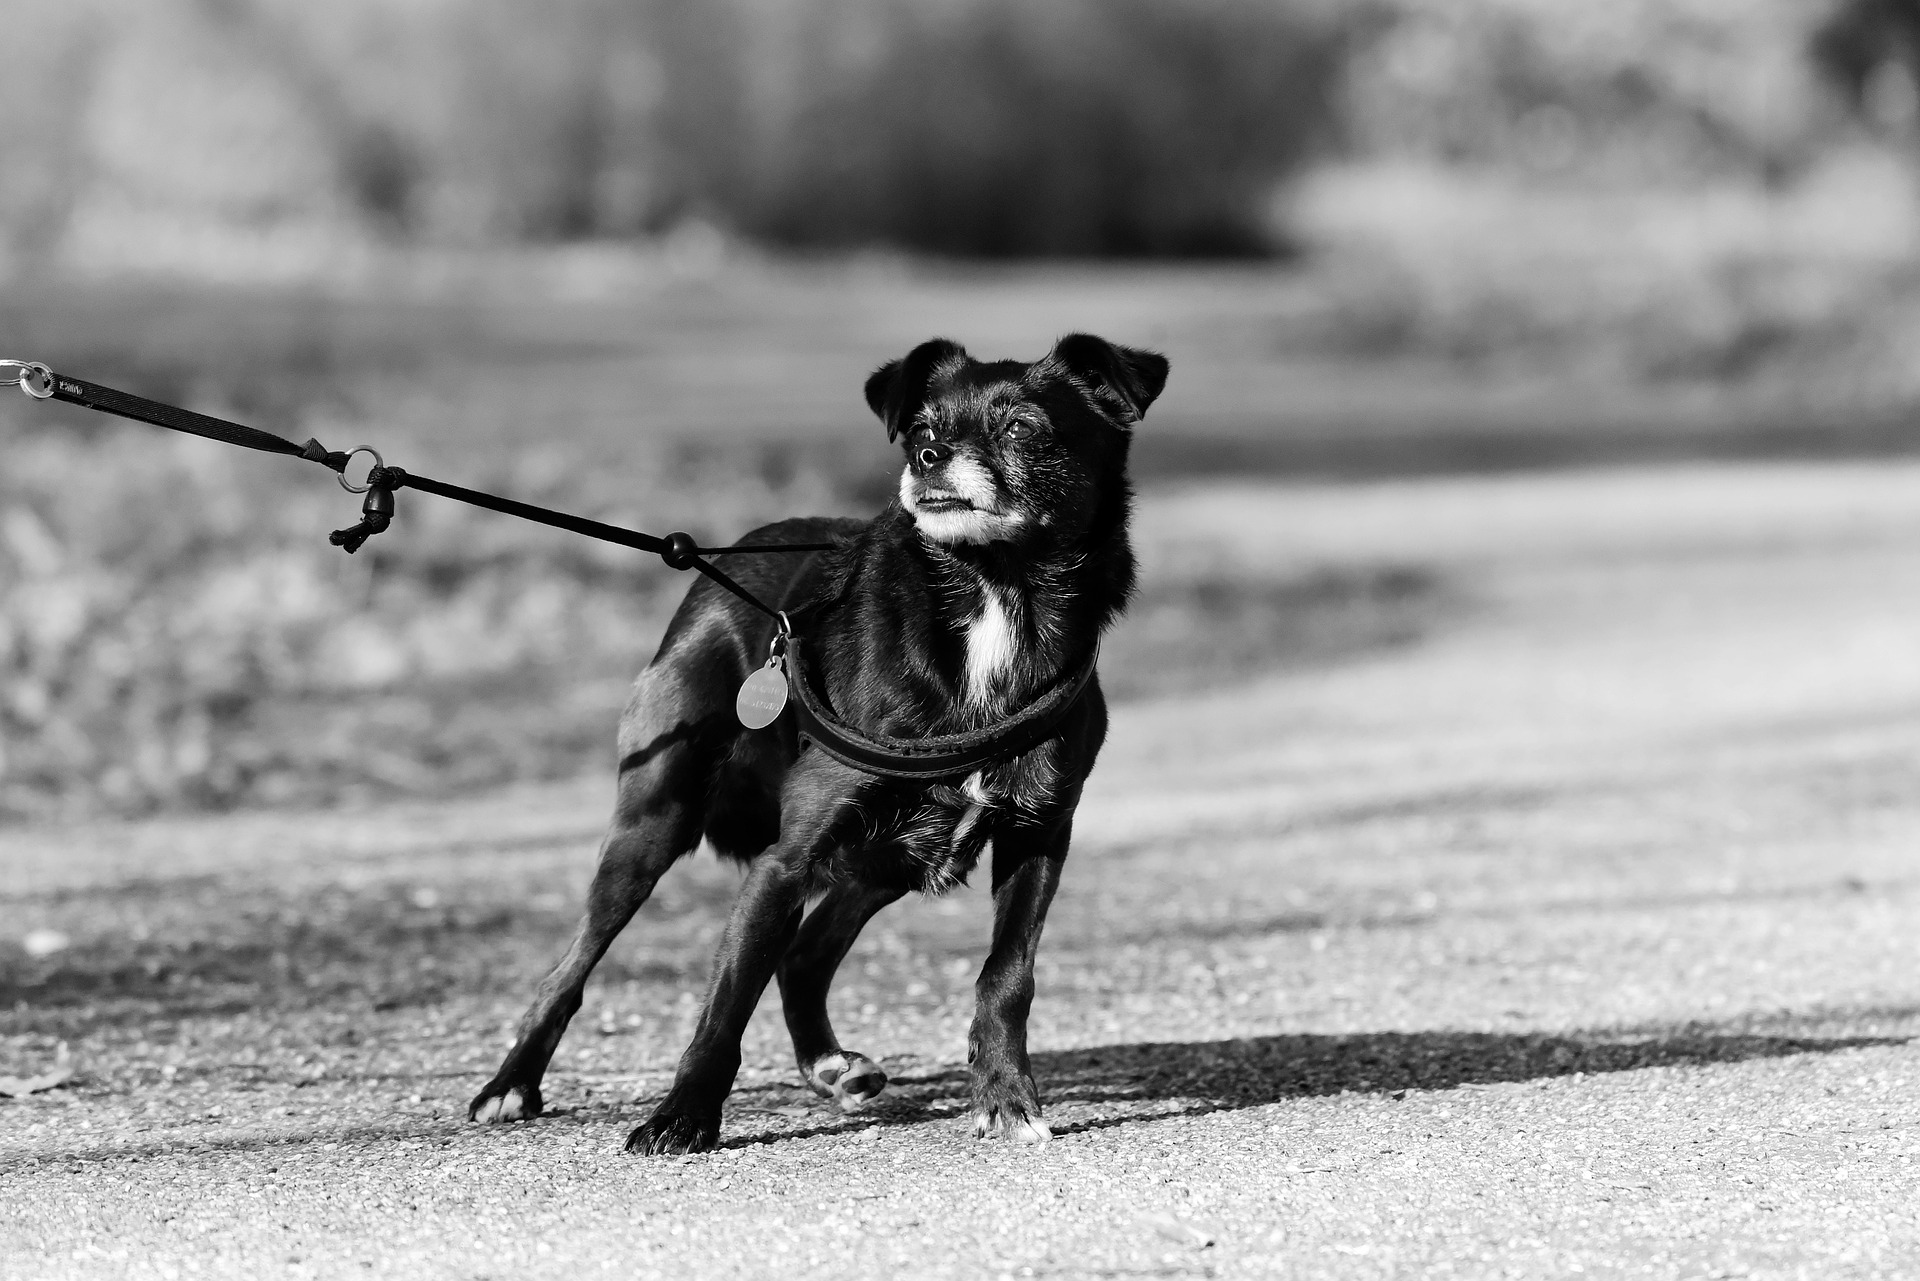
x=762 y=698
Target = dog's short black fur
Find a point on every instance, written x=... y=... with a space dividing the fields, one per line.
x=998 y=567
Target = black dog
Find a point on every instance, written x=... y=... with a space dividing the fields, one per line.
x=996 y=571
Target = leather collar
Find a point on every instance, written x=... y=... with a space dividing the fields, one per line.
x=941 y=755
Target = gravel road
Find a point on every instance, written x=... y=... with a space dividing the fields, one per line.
x=1575 y=930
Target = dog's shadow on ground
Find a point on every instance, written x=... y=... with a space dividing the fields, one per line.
x=1124 y=1084
x=1116 y=1085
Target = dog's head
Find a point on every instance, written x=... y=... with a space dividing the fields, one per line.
x=1001 y=451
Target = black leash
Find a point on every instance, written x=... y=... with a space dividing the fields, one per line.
x=763 y=697
x=678 y=550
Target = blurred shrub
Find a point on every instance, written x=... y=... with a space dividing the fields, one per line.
x=1714 y=285
x=175 y=630
x=974 y=127
x=50 y=69
x=1650 y=189
x=1647 y=91
x=970 y=127
x=1073 y=128
x=1870 y=51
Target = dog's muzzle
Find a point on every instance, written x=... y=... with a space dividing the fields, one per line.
x=959 y=503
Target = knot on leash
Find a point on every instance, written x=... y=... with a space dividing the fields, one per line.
x=315 y=452
x=376 y=511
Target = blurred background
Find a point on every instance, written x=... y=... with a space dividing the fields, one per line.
x=635 y=257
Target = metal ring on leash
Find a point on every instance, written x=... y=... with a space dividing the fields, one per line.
x=34 y=378
x=348 y=485
x=782 y=633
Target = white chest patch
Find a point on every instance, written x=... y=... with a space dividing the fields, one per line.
x=990 y=647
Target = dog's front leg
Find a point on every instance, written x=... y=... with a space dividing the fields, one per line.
x=1026 y=870
x=765 y=916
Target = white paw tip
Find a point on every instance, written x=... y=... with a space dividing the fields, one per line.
x=1025 y=1130
x=1033 y=1131
x=511 y=1106
x=856 y=1092
x=855 y=1081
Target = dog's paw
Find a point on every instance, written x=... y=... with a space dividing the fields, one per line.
x=510 y=1103
x=848 y=1078
x=1010 y=1109
x=673 y=1133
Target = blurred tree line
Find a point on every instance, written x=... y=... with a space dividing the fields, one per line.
x=971 y=127
x=967 y=127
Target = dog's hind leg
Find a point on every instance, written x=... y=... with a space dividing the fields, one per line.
x=806 y=972
x=663 y=785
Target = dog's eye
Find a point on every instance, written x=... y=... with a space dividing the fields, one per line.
x=1020 y=428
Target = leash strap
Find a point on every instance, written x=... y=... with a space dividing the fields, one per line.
x=924 y=759
x=679 y=551
x=108 y=400
x=941 y=755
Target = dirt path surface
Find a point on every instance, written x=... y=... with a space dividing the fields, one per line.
x=1571 y=925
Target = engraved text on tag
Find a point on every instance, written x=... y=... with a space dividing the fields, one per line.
x=762 y=698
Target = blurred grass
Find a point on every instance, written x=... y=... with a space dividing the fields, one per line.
x=176 y=632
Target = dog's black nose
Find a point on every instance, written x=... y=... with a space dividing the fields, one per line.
x=933 y=455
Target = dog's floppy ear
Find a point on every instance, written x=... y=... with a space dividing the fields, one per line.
x=895 y=390
x=1128 y=379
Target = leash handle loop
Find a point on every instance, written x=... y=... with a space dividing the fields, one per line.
x=78 y=391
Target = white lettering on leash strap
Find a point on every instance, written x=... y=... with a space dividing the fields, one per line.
x=990 y=647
